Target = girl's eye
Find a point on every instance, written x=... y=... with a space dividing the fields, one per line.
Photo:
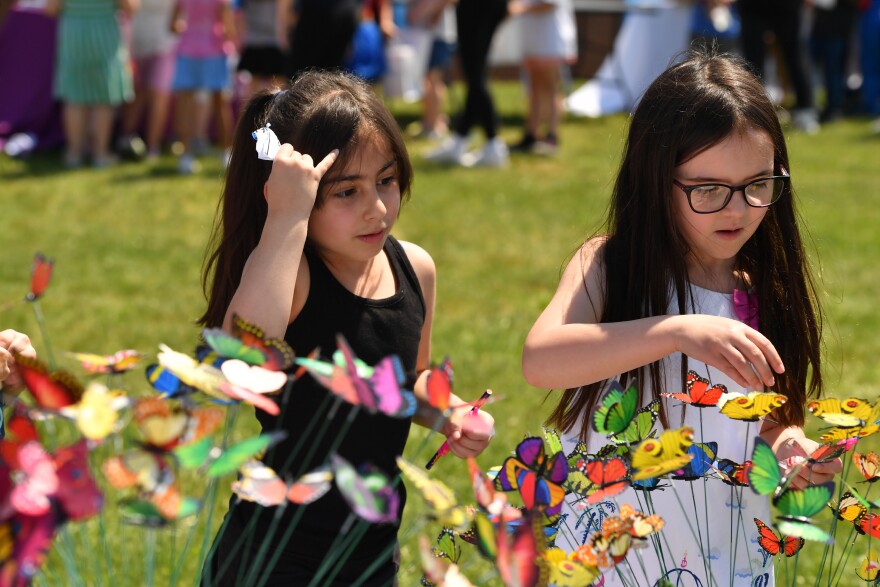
x=345 y=193
x=388 y=180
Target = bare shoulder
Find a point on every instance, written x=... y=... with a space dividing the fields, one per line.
x=581 y=293
x=421 y=262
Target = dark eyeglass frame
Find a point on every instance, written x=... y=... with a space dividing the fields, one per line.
x=687 y=189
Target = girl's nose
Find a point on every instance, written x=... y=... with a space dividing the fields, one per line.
x=376 y=206
x=737 y=202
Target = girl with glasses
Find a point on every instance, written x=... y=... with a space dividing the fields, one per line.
x=700 y=268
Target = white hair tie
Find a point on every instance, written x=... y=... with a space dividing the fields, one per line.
x=267 y=142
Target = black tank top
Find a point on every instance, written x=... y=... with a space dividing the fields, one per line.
x=373 y=329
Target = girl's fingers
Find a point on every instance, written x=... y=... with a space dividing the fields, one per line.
x=767 y=349
x=326 y=162
x=758 y=362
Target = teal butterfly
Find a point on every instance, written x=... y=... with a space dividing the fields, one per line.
x=224 y=461
x=796 y=506
x=616 y=409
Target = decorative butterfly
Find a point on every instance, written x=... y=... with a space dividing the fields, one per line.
x=640 y=526
x=41 y=275
x=368 y=492
x=20 y=430
x=733 y=473
x=97 y=412
x=850 y=508
x=118 y=362
x=567 y=571
x=36 y=481
x=230 y=347
x=518 y=552
x=774 y=544
x=216 y=461
x=607 y=547
x=25 y=541
x=442 y=503
x=439 y=385
x=249 y=384
x=438 y=566
x=380 y=390
x=869 y=567
x=154 y=480
x=537 y=477
x=868 y=464
x=51 y=389
x=164 y=426
x=167 y=383
x=202 y=376
x=751 y=407
x=700 y=392
x=607 y=477
x=489 y=500
x=845 y=413
x=704 y=454
x=279 y=354
x=616 y=409
x=870 y=525
x=657 y=456
x=260 y=484
x=139 y=512
x=78 y=493
x=640 y=427
x=796 y=506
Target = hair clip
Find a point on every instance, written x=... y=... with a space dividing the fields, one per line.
x=267 y=142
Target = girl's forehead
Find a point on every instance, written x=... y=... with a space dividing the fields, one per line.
x=367 y=155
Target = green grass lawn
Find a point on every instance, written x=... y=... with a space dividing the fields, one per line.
x=129 y=243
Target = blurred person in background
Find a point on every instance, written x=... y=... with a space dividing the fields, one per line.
x=264 y=38
x=869 y=51
x=834 y=24
x=437 y=16
x=320 y=33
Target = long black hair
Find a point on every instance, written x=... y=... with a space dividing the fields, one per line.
x=319 y=111
x=689 y=108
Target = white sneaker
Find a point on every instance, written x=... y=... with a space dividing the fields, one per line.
x=805 y=120
x=451 y=150
x=493 y=154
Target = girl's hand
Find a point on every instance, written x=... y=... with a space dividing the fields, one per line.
x=792 y=443
x=742 y=353
x=469 y=433
x=292 y=186
x=13 y=343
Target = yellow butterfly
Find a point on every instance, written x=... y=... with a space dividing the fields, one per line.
x=441 y=500
x=845 y=413
x=97 y=413
x=657 y=456
x=750 y=407
x=850 y=508
x=867 y=571
x=567 y=571
x=202 y=376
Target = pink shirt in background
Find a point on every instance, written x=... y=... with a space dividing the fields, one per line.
x=203 y=36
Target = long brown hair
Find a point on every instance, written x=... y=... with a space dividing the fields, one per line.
x=690 y=107
x=319 y=112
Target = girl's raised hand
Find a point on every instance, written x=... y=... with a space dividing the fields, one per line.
x=292 y=186
x=793 y=443
x=468 y=433
x=741 y=352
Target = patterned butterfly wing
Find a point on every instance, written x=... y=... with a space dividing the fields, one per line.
x=850 y=508
x=870 y=525
x=658 y=456
x=279 y=354
x=640 y=426
x=259 y=484
x=700 y=392
x=609 y=477
x=231 y=347
x=364 y=392
x=441 y=500
x=51 y=390
x=752 y=407
x=733 y=473
x=518 y=554
x=37 y=481
x=773 y=544
x=310 y=487
x=369 y=493
x=868 y=464
x=386 y=382
x=166 y=383
x=538 y=479
x=41 y=275
x=764 y=475
x=616 y=409
x=801 y=504
x=78 y=492
x=704 y=454
x=846 y=413
x=236 y=455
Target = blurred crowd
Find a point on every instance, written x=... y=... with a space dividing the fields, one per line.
x=136 y=77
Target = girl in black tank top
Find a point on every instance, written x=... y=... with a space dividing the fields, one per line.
x=305 y=252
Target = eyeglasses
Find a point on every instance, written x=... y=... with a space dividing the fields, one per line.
x=707 y=198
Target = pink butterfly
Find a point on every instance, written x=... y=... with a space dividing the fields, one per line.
x=37 y=483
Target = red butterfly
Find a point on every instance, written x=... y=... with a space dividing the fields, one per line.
x=733 y=473
x=773 y=544
x=439 y=384
x=52 y=390
x=608 y=477
x=41 y=274
x=279 y=355
x=699 y=393
x=870 y=525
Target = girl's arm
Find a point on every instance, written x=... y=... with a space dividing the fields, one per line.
x=466 y=436
x=265 y=296
x=128 y=7
x=791 y=441
x=178 y=20
x=227 y=17
x=53 y=7
x=568 y=347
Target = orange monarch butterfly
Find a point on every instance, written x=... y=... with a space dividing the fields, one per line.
x=773 y=544
x=868 y=465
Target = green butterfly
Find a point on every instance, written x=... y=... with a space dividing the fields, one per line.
x=616 y=409
x=223 y=461
x=796 y=506
x=640 y=427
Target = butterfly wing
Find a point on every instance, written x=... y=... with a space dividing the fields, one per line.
x=386 y=380
x=868 y=464
x=640 y=426
x=439 y=385
x=362 y=388
x=236 y=455
x=609 y=476
x=441 y=500
x=703 y=456
x=231 y=347
x=51 y=390
x=616 y=410
x=310 y=487
x=752 y=407
x=38 y=481
x=370 y=496
x=700 y=392
x=41 y=275
x=767 y=538
x=657 y=456
x=804 y=503
x=259 y=484
x=764 y=475
x=279 y=354
x=78 y=492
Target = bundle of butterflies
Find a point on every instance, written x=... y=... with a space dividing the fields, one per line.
x=520 y=540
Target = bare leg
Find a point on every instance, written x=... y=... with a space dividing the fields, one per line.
x=158 y=119
x=223 y=111
x=102 y=127
x=184 y=118
x=75 y=124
